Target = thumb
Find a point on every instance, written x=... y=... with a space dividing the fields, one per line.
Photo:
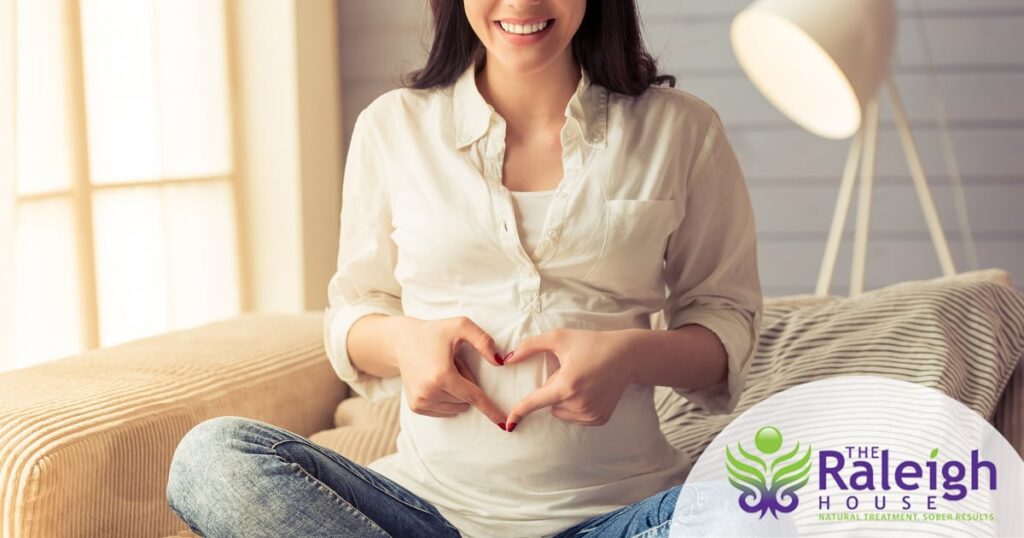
x=483 y=343
x=530 y=346
x=470 y=393
x=547 y=394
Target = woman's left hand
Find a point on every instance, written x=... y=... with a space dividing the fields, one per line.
x=593 y=372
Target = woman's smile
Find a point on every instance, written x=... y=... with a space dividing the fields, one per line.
x=524 y=32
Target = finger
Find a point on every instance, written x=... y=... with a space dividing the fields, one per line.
x=470 y=393
x=530 y=346
x=547 y=394
x=448 y=408
x=567 y=416
x=435 y=414
x=444 y=397
x=465 y=371
x=472 y=334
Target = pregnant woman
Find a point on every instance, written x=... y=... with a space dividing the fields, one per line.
x=510 y=223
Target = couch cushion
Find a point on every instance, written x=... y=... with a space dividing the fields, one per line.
x=364 y=430
x=86 y=441
x=963 y=335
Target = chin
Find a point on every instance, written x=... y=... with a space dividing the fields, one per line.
x=522 y=62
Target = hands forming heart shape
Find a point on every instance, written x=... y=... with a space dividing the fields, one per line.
x=594 y=370
x=592 y=375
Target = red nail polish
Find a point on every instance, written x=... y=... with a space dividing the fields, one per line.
x=511 y=426
x=501 y=425
x=498 y=359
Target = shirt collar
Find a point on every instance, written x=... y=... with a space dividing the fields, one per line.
x=588 y=108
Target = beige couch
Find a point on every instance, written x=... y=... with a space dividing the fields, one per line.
x=86 y=441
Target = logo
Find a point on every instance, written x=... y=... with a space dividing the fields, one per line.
x=875 y=456
x=766 y=483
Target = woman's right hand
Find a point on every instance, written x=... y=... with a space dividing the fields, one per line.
x=436 y=381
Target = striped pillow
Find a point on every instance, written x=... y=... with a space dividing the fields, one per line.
x=963 y=336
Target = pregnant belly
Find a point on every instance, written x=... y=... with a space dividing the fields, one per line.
x=544 y=453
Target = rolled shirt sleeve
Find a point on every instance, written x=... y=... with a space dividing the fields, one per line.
x=711 y=265
x=364 y=282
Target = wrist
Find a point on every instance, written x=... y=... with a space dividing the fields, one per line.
x=624 y=344
x=395 y=331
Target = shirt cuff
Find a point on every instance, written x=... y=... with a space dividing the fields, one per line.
x=739 y=336
x=336 y=329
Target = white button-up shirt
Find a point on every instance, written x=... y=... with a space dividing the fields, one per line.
x=651 y=221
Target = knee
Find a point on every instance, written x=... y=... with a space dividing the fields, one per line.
x=203 y=450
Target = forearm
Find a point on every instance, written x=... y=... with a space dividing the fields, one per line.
x=689 y=357
x=369 y=346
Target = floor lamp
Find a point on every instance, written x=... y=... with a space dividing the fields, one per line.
x=822 y=64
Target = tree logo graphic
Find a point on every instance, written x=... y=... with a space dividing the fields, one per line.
x=768 y=487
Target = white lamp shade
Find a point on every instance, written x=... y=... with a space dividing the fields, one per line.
x=818 y=61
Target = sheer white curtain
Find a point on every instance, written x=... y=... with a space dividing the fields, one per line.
x=6 y=180
x=119 y=198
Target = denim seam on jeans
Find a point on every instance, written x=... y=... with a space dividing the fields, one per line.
x=653 y=531
x=376 y=486
x=345 y=505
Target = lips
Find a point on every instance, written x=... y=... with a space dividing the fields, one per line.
x=524 y=27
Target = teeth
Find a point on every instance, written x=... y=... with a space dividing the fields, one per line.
x=523 y=29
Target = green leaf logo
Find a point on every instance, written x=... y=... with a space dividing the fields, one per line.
x=768 y=487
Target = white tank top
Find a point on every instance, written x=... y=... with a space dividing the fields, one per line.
x=531 y=208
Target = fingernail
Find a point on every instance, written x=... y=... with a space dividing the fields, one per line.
x=501 y=425
x=507 y=355
x=498 y=359
x=511 y=426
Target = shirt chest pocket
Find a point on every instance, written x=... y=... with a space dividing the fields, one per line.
x=632 y=251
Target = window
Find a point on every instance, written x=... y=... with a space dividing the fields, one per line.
x=124 y=190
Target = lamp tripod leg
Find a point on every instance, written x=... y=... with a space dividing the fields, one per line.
x=860 y=238
x=920 y=182
x=835 y=234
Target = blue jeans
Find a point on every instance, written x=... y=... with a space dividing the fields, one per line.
x=235 y=476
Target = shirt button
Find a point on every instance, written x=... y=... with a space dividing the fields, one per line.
x=563 y=194
x=525 y=270
x=530 y=302
x=552 y=234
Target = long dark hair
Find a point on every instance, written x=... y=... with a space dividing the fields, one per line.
x=608 y=46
